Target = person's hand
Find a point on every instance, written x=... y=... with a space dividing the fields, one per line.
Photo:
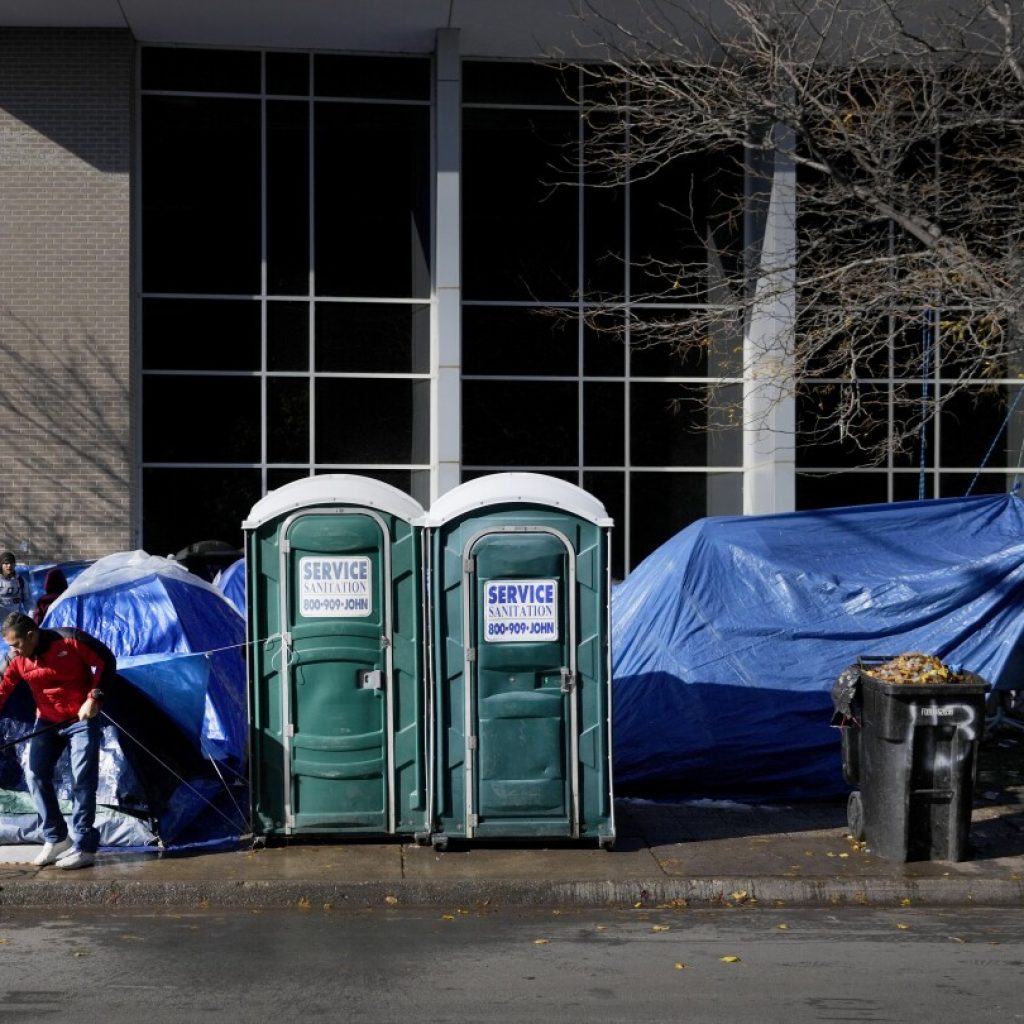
x=90 y=709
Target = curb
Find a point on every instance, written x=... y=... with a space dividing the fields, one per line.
x=673 y=893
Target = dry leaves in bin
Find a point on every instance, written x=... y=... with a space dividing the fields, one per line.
x=922 y=669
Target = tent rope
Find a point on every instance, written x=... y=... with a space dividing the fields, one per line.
x=995 y=440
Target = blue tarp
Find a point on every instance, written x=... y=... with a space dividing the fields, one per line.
x=180 y=706
x=231 y=583
x=727 y=639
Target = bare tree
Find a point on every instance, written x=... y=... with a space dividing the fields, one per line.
x=904 y=124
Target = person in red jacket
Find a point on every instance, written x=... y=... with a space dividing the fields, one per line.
x=68 y=672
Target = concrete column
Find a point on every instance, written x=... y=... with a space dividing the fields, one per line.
x=769 y=405
x=446 y=335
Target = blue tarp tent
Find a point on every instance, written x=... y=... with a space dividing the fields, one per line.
x=181 y=706
x=727 y=639
x=231 y=583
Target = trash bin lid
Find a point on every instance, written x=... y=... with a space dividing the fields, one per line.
x=517 y=488
x=335 y=489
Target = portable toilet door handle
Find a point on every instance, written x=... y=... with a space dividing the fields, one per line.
x=371 y=679
x=568 y=679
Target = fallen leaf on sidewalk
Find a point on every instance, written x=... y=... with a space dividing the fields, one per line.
x=729 y=959
x=782 y=927
x=680 y=966
x=660 y=927
x=447 y=917
x=956 y=938
x=540 y=942
x=903 y=927
x=905 y=902
x=304 y=903
x=738 y=895
x=390 y=900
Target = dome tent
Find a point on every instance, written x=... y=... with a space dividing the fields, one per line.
x=180 y=704
x=726 y=640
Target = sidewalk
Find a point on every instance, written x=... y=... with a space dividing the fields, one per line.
x=704 y=853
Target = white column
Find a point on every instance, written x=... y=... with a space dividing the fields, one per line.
x=446 y=336
x=769 y=405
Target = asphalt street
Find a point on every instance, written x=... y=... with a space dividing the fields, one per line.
x=516 y=966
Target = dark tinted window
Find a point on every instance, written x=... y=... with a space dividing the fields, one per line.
x=517 y=340
x=493 y=81
x=372 y=421
x=200 y=334
x=520 y=423
x=288 y=74
x=519 y=223
x=353 y=337
x=604 y=417
x=201 y=195
x=668 y=427
x=287 y=419
x=200 y=419
x=837 y=490
x=288 y=336
x=372 y=200
x=185 y=70
x=287 y=163
x=382 y=78
x=660 y=505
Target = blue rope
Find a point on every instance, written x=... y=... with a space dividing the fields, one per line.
x=925 y=372
x=991 y=447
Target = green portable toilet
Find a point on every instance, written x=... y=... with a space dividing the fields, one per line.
x=522 y=674
x=334 y=588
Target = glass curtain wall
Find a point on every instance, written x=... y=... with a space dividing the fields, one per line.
x=544 y=392
x=285 y=279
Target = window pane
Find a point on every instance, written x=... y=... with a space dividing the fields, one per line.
x=836 y=490
x=201 y=195
x=519 y=423
x=288 y=74
x=956 y=485
x=493 y=81
x=604 y=231
x=279 y=477
x=200 y=334
x=354 y=337
x=604 y=418
x=519 y=229
x=372 y=200
x=660 y=505
x=669 y=427
x=288 y=336
x=218 y=501
x=828 y=438
x=185 y=70
x=288 y=419
x=604 y=348
x=200 y=419
x=515 y=340
x=287 y=198
x=907 y=486
x=361 y=421
x=381 y=78
x=974 y=421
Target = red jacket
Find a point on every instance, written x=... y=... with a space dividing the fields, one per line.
x=60 y=672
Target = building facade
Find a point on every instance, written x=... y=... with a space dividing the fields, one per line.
x=237 y=252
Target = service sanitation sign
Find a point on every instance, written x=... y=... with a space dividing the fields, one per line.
x=335 y=588
x=520 y=610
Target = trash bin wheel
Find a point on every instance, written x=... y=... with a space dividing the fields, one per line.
x=606 y=842
x=439 y=842
x=855 y=815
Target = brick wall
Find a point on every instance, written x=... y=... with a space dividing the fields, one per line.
x=65 y=293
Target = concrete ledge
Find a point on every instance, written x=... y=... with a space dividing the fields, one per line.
x=695 y=892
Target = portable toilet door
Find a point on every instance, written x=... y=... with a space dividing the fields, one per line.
x=520 y=607
x=337 y=698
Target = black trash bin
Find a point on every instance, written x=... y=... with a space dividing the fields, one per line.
x=912 y=750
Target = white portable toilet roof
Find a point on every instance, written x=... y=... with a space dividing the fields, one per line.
x=335 y=489
x=521 y=488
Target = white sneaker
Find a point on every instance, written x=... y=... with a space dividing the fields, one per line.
x=51 y=852
x=76 y=859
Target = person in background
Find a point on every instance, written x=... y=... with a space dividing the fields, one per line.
x=54 y=585
x=67 y=671
x=13 y=592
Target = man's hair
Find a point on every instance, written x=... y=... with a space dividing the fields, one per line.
x=18 y=623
